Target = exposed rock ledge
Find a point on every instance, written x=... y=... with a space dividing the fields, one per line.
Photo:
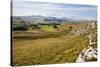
x=89 y=53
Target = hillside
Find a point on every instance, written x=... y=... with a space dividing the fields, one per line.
x=51 y=45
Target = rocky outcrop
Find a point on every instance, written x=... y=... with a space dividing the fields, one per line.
x=89 y=53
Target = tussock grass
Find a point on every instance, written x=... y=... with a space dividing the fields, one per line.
x=58 y=48
x=48 y=45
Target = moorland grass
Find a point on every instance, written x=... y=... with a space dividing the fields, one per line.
x=46 y=48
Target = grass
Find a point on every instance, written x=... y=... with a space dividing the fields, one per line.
x=47 y=28
x=48 y=45
x=58 y=48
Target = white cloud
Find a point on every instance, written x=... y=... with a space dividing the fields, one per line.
x=23 y=7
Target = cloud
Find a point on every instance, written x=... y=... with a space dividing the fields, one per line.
x=25 y=7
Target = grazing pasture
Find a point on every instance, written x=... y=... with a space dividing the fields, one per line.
x=45 y=47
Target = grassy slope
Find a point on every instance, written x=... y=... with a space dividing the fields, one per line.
x=47 y=50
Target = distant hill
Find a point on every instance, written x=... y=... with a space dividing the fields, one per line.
x=43 y=19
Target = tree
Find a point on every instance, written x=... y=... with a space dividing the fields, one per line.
x=55 y=26
x=70 y=28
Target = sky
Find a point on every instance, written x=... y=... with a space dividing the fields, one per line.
x=60 y=10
